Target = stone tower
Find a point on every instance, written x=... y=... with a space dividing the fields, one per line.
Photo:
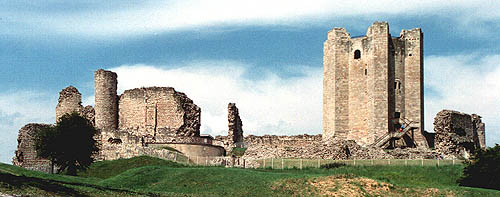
x=106 y=107
x=371 y=83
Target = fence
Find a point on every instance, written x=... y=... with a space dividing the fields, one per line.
x=196 y=160
x=316 y=163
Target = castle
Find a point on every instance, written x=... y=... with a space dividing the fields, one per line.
x=373 y=85
x=372 y=99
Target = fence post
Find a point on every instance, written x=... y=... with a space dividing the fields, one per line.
x=206 y=161
x=453 y=161
x=197 y=160
x=272 y=163
x=389 y=161
x=372 y=162
x=319 y=165
x=301 y=164
x=175 y=156
x=282 y=167
x=354 y=162
x=406 y=162
x=438 y=162
x=422 y=161
x=264 y=163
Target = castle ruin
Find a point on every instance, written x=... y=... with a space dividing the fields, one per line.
x=372 y=99
x=373 y=86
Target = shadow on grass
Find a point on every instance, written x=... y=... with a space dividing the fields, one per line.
x=53 y=186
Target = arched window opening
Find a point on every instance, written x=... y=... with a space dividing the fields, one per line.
x=357 y=54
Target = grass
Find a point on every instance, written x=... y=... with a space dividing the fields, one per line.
x=148 y=176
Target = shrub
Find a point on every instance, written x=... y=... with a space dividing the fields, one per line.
x=483 y=169
x=332 y=165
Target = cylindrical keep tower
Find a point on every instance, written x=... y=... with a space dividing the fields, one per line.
x=106 y=108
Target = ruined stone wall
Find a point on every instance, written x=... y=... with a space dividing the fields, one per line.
x=235 y=130
x=70 y=100
x=106 y=107
x=305 y=146
x=158 y=111
x=26 y=155
x=478 y=129
x=455 y=133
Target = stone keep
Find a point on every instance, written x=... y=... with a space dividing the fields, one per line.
x=368 y=81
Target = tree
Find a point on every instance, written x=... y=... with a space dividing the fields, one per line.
x=483 y=169
x=70 y=144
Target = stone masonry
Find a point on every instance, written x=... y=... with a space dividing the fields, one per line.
x=70 y=100
x=372 y=83
x=457 y=133
x=26 y=155
x=158 y=110
x=235 y=130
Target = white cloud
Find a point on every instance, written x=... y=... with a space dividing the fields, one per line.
x=466 y=83
x=272 y=105
x=20 y=108
x=163 y=16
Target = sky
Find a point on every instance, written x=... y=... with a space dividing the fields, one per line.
x=266 y=56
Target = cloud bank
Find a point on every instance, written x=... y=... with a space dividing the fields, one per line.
x=271 y=105
x=129 y=18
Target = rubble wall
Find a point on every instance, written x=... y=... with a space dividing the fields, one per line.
x=305 y=146
x=70 y=100
x=26 y=155
x=455 y=133
x=158 y=111
x=235 y=130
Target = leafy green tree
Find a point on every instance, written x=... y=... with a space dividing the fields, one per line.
x=483 y=169
x=70 y=144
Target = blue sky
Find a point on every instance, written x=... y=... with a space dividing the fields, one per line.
x=265 y=56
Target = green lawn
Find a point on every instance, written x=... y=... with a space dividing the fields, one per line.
x=150 y=176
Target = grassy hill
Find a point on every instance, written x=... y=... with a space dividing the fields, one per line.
x=146 y=176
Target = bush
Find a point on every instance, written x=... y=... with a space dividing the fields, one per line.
x=69 y=145
x=332 y=165
x=483 y=169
